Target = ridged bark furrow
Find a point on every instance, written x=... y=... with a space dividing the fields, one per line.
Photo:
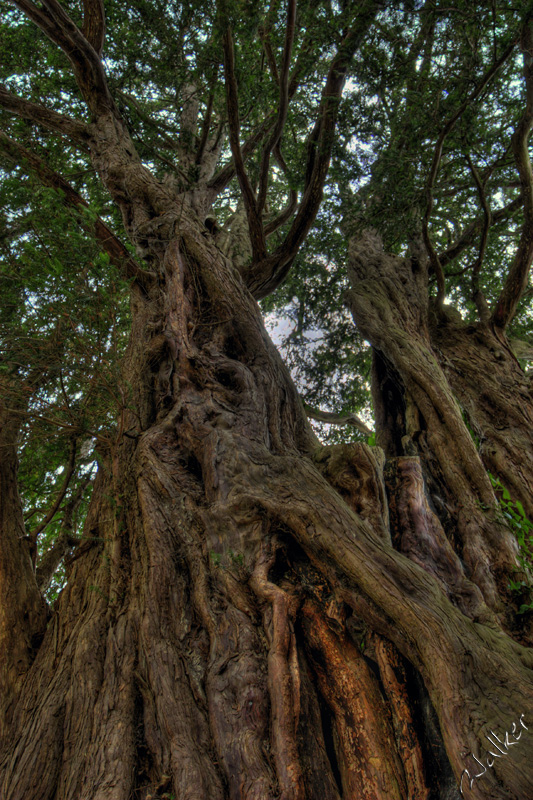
x=204 y=646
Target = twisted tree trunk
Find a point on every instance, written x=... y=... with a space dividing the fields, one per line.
x=238 y=623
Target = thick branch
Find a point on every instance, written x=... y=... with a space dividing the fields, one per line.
x=73 y=128
x=22 y=610
x=55 y=23
x=117 y=252
x=94 y=23
x=516 y=280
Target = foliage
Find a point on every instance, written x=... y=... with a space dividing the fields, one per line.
x=515 y=517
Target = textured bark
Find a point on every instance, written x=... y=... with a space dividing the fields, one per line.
x=23 y=613
x=206 y=644
x=390 y=307
x=496 y=397
x=250 y=615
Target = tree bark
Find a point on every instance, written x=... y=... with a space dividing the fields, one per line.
x=210 y=641
x=496 y=398
x=23 y=612
x=389 y=302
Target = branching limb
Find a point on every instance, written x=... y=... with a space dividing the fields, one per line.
x=283 y=106
x=266 y=275
x=219 y=182
x=468 y=237
x=117 y=252
x=337 y=419
x=291 y=206
x=477 y=295
x=65 y=541
x=433 y=256
x=204 y=135
x=56 y=24
x=255 y=226
x=264 y=35
x=75 y=129
x=516 y=280
x=52 y=511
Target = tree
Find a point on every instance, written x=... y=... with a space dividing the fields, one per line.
x=242 y=611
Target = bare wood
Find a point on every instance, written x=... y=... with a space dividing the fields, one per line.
x=337 y=419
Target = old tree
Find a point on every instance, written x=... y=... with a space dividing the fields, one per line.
x=200 y=596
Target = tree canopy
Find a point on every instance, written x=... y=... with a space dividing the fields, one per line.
x=365 y=168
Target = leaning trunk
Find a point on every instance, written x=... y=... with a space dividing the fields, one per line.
x=237 y=623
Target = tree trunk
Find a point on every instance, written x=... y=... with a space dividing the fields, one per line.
x=495 y=396
x=239 y=622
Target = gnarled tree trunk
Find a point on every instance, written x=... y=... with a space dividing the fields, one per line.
x=238 y=623
x=252 y=615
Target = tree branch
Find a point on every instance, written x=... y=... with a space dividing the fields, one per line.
x=291 y=206
x=264 y=276
x=337 y=419
x=433 y=256
x=257 y=236
x=56 y=24
x=94 y=23
x=219 y=182
x=65 y=541
x=117 y=252
x=205 y=125
x=34 y=535
x=516 y=280
x=477 y=295
x=75 y=129
x=283 y=106
x=467 y=238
